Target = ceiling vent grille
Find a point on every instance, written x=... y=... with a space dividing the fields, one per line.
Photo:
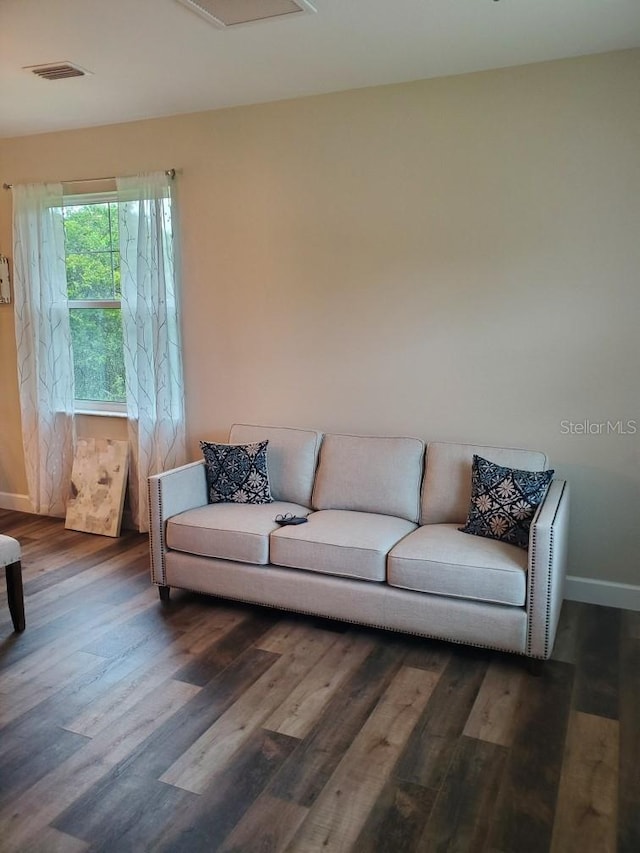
x=57 y=71
x=233 y=13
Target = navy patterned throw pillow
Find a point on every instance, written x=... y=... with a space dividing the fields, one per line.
x=237 y=473
x=504 y=501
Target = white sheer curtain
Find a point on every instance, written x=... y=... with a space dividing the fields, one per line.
x=152 y=349
x=45 y=360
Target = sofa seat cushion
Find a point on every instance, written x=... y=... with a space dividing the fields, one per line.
x=440 y=559
x=229 y=531
x=340 y=542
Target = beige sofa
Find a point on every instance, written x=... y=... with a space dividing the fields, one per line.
x=381 y=546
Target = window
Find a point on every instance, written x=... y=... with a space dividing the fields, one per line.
x=93 y=287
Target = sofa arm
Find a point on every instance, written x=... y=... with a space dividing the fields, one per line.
x=170 y=493
x=547 y=567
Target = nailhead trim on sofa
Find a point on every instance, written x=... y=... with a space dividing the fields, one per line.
x=532 y=586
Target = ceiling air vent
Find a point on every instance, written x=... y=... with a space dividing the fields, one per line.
x=232 y=13
x=57 y=70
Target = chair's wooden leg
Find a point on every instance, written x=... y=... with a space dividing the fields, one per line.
x=15 y=595
x=163 y=592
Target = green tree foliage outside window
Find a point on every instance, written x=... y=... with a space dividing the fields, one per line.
x=93 y=274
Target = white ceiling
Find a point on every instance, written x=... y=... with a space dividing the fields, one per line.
x=156 y=57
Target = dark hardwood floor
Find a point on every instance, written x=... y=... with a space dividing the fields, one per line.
x=204 y=725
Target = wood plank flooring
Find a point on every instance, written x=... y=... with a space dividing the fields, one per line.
x=205 y=725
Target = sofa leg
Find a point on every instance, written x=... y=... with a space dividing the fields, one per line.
x=535 y=667
x=163 y=592
x=15 y=595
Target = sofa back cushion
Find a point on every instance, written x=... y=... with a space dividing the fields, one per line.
x=370 y=474
x=292 y=456
x=446 y=491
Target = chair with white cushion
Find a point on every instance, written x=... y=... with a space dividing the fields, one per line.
x=10 y=557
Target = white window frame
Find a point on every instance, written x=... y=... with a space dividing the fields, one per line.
x=95 y=407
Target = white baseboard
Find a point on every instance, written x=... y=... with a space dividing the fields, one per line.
x=611 y=594
x=20 y=503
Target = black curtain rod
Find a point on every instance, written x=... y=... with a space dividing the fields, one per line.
x=170 y=173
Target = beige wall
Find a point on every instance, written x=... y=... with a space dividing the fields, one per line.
x=453 y=259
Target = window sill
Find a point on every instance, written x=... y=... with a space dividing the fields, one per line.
x=100 y=414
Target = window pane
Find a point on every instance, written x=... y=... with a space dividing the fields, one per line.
x=92 y=276
x=115 y=265
x=96 y=334
x=92 y=248
x=87 y=228
x=115 y=234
